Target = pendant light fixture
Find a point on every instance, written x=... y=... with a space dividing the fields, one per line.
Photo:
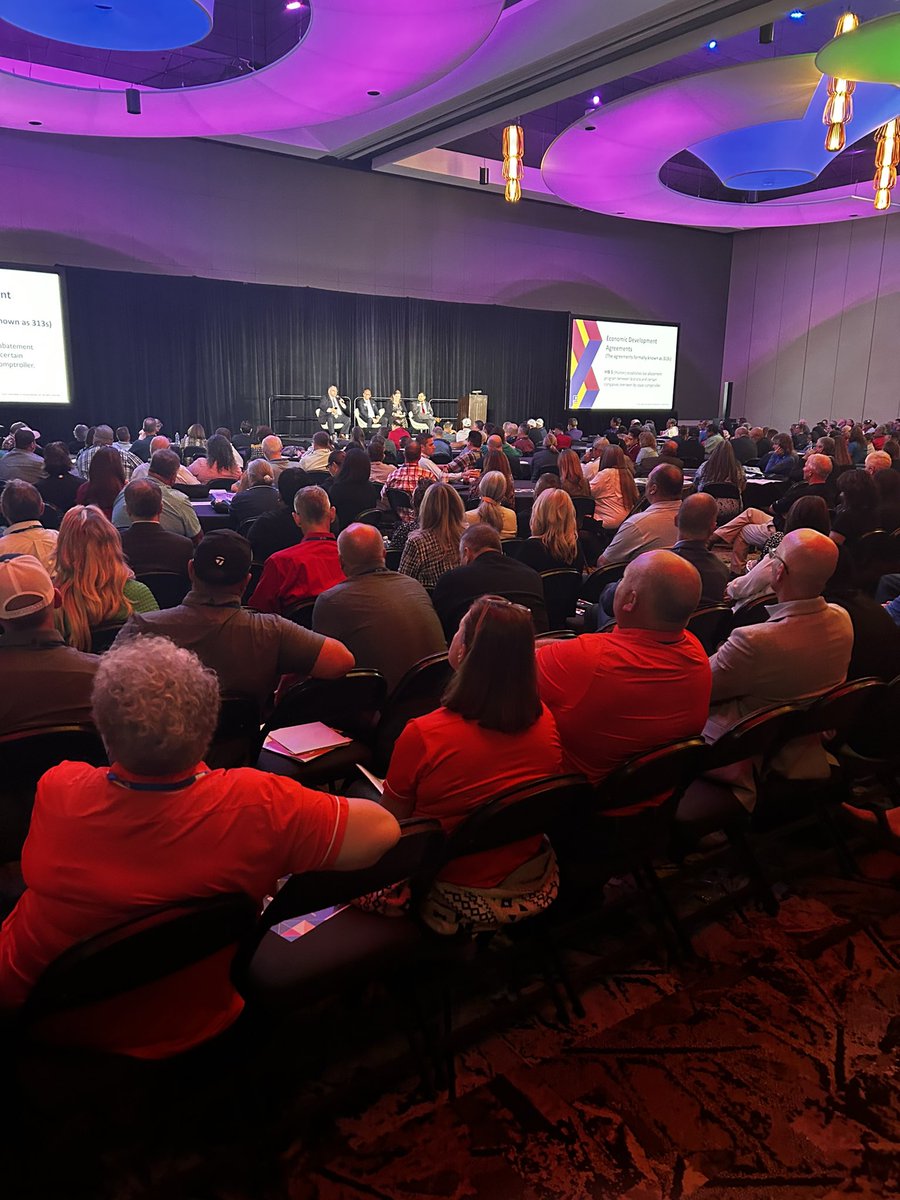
x=887 y=155
x=839 y=106
x=513 y=164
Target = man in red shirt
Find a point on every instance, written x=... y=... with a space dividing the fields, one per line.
x=648 y=682
x=157 y=827
x=303 y=571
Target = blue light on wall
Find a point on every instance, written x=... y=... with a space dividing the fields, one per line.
x=114 y=24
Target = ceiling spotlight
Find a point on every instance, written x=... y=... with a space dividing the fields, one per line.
x=292 y=5
x=484 y=176
x=595 y=99
x=796 y=14
x=767 y=34
x=711 y=44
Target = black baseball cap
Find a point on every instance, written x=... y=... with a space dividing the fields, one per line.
x=222 y=558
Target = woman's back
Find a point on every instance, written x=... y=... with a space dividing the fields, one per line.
x=535 y=554
x=610 y=506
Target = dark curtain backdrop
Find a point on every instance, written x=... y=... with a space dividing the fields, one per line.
x=187 y=349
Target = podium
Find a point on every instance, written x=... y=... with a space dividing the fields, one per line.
x=473 y=406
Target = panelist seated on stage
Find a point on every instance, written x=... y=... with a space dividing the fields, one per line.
x=302 y=572
x=110 y=844
x=333 y=413
x=147 y=546
x=367 y=413
x=177 y=514
x=249 y=651
x=421 y=414
x=398 y=409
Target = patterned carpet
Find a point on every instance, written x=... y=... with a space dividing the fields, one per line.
x=768 y=1069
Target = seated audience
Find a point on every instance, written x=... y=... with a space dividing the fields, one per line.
x=104 y=437
x=426 y=459
x=356 y=610
x=491 y=510
x=235 y=831
x=713 y=438
x=276 y=528
x=491 y=716
x=486 y=570
x=62 y=484
x=546 y=459
x=106 y=478
x=554 y=544
x=523 y=442
x=96 y=587
x=301 y=572
x=496 y=460
x=647 y=449
x=256 y=493
x=690 y=448
x=177 y=514
x=653 y=529
x=877 y=461
x=887 y=514
x=218 y=463
x=809 y=512
x=45 y=682
x=800 y=652
x=316 y=457
x=21 y=462
x=781 y=463
x=571 y=479
x=590 y=461
x=669 y=454
x=407 y=475
x=335 y=462
x=147 y=546
x=857 y=508
x=22 y=509
x=644 y=684
x=471 y=457
x=273 y=452
x=243 y=439
x=697 y=519
x=614 y=490
x=182 y=475
x=140 y=447
x=249 y=651
x=79 y=436
x=857 y=445
x=876 y=639
x=352 y=491
x=379 y=470
x=816 y=481
x=743 y=445
x=432 y=547
x=721 y=467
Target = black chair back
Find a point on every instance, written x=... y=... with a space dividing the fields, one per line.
x=193 y=491
x=386 y=522
x=584 y=507
x=399 y=500
x=256 y=570
x=189 y=453
x=561 y=590
x=150 y=945
x=592 y=585
x=874 y=554
x=224 y=484
x=759 y=735
x=553 y=635
x=392 y=559
x=302 y=614
x=711 y=626
x=842 y=710
x=418 y=692
x=103 y=637
x=512 y=546
x=168 y=587
x=523 y=505
x=238 y=737
x=753 y=613
x=876 y=738
x=317 y=479
x=351 y=704
x=720 y=491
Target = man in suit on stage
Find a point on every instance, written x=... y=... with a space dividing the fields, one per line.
x=367 y=415
x=333 y=413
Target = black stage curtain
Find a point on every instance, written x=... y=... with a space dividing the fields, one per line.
x=188 y=349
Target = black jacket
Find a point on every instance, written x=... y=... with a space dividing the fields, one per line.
x=491 y=574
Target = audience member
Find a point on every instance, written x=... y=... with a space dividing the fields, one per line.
x=653 y=529
x=148 y=547
x=355 y=610
x=696 y=525
x=22 y=509
x=243 y=439
x=887 y=486
x=491 y=510
x=496 y=460
x=406 y=477
x=470 y=458
x=316 y=457
x=45 y=682
x=218 y=462
x=878 y=460
x=816 y=481
x=644 y=684
x=554 y=544
x=22 y=462
x=300 y=573
x=62 y=484
x=427 y=447
x=352 y=491
x=106 y=478
x=690 y=449
x=647 y=449
x=523 y=442
x=486 y=570
x=809 y=512
x=743 y=445
x=182 y=475
x=276 y=529
x=234 y=831
x=123 y=438
x=713 y=438
x=379 y=470
x=104 y=437
x=571 y=479
x=195 y=436
x=857 y=507
x=140 y=448
x=590 y=462
x=721 y=467
x=491 y=716
x=432 y=548
x=546 y=459
x=781 y=463
x=876 y=639
x=256 y=493
x=177 y=513
x=79 y=436
x=96 y=588
x=669 y=454
x=614 y=490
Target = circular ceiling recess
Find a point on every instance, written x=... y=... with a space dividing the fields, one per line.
x=114 y=24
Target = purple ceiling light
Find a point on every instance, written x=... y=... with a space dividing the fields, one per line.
x=114 y=24
x=355 y=56
x=616 y=168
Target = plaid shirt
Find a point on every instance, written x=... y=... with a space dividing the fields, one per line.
x=406 y=478
x=129 y=460
x=425 y=558
x=468 y=460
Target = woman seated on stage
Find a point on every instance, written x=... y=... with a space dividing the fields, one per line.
x=106 y=478
x=491 y=510
x=219 y=461
x=613 y=488
x=432 y=546
x=554 y=544
x=496 y=460
x=492 y=715
x=571 y=477
x=96 y=587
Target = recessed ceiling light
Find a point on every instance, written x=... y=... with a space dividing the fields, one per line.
x=797 y=14
x=373 y=92
x=589 y=128
x=711 y=44
x=35 y=122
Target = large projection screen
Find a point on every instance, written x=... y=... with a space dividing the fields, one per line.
x=34 y=358
x=621 y=366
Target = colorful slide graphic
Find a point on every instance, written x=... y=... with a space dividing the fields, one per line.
x=622 y=365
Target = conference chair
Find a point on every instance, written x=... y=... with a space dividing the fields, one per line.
x=418 y=692
x=755 y=612
x=512 y=546
x=392 y=559
x=561 y=589
x=872 y=748
x=103 y=637
x=193 y=491
x=523 y=506
x=584 y=508
x=225 y=483
x=24 y=757
x=318 y=479
x=302 y=614
x=189 y=453
x=384 y=521
x=256 y=570
x=237 y=740
x=711 y=626
x=592 y=585
x=400 y=501
x=168 y=587
x=874 y=554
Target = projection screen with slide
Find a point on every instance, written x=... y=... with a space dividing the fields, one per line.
x=34 y=357
x=621 y=366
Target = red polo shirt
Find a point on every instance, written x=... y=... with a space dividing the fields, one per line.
x=397 y=435
x=299 y=573
x=615 y=695
x=98 y=853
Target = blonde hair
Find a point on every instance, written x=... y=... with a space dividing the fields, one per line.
x=492 y=489
x=442 y=511
x=90 y=574
x=553 y=521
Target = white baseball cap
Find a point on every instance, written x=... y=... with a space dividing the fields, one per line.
x=25 y=587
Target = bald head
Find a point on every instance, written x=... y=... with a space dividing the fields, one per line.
x=664 y=482
x=160 y=442
x=360 y=548
x=495 y=442
x=817 y=468
x=878 y=460
x=658 y=591
x=805 y=561
x=272 y=447
x=697 y=518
